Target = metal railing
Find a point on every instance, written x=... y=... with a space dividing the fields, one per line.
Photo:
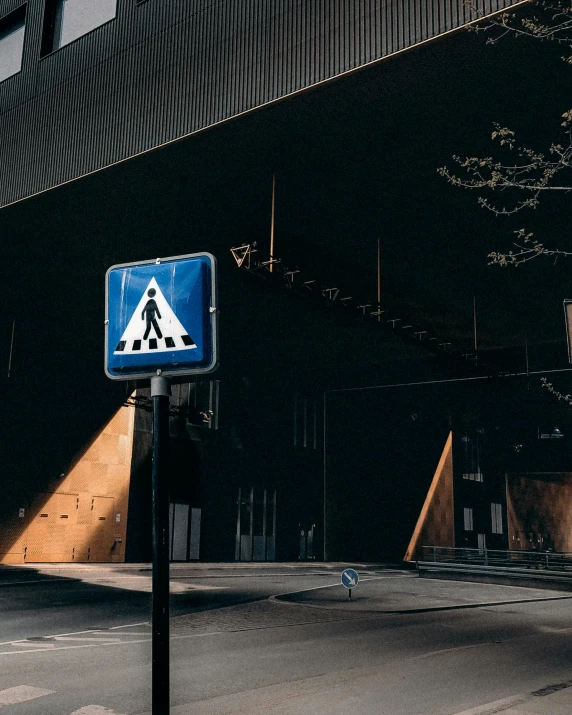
x=546 y=560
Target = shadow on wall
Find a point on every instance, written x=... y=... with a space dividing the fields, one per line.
x=83 y=515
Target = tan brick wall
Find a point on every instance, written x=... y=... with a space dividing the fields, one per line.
x=83 y=515
x=539 y=511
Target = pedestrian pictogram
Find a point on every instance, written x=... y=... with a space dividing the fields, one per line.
x=161 y=317
x=154 y=327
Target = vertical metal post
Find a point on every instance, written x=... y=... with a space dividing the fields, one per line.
x=264 y=526
x=274 y=522
x=11 y=346
x=251 y=523
x=237 y=555
x=160 y=391
x=325 y=479
x=272 y=221
x=378 y=280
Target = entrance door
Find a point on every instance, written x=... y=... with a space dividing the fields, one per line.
x=101 y=534
x=184 y=532
x=256 y=525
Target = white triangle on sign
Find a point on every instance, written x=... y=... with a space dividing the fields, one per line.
x=154 y=327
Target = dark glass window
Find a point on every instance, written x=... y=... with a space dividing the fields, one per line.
x=67 y=20
x=12 y=29
x=472 y=457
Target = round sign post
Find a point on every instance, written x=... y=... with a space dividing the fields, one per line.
x=350 y=580
x=161 y=322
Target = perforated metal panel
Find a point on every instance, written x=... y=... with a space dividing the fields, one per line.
x=51 y=531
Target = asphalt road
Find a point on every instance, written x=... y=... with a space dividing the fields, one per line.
x=313 y=656
x=56 y=599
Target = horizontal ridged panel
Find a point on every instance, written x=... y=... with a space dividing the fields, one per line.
x=161 y=71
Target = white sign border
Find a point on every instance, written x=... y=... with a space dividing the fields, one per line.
x=165 y=372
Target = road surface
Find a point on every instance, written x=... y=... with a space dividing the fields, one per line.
x=403 y=646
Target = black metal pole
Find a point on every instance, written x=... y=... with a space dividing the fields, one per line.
x=160 y=391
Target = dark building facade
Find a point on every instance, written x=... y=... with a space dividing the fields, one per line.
x=269 y=461
x=97 y=85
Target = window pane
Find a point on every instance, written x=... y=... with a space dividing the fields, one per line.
x=468 y=519
x=11 y=44
x=75 y=18
x=496 y=518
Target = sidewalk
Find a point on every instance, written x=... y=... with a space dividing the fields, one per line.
x=381 y=588
x=406 y=593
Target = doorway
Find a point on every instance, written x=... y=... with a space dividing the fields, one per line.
x=255 y=525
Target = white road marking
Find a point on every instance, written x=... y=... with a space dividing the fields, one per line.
x=73 y=647
x=94 y=710
x=92 y=640
x=123 y=634
x=21 y=693
x=32 y=644
x=498 y=706
x=23 y=640
x=549 y=629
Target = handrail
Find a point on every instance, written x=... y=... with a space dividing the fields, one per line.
x=495 y=557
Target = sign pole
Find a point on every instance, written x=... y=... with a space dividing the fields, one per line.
x=160 y=392
x=161 y=321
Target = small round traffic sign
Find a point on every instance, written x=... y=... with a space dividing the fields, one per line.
x=350 y=578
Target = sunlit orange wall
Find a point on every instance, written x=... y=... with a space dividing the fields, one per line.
x=539 y=505
x=83 y=515
x=436 y=525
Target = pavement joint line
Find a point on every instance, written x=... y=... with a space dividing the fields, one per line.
x=452 y=650
x=263 y=628
x=34 y=581
x=489 y=604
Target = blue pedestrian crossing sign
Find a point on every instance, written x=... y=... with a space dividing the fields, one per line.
x=161 y=317
x=350 y=578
